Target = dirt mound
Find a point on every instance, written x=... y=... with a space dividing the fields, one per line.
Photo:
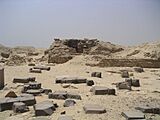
x=63 y=50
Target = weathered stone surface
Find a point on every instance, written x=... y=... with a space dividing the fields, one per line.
x=123 y=85
x=19 y=107
x=148 y=109
x=130 y=115
x=65 y=117
x=34 y=92
x=139 y=69
x=46 y=91
x=5 y=54
x=7 y=103
x=1 y=78
x=72 y=95
x=125 y=74
x=69 y=102
x=58 y=95
x=90 y=82
x=59 y=59
x=101 y=90
x=70 y=79
x=133 y=82
x=44 y=108
x=24 y=80
x=11 y=94
x=94 y=109
x=96 y=74
x=144 y=63
x=34 y=85
x=31 y=70
x=42 y=67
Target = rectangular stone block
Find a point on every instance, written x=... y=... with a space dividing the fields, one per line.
x=24 y=80
x=130 y=115
x=42 y=67
x=147 y=109
x=68 y=79
x=94 y=109
x=58 y=95
x=1 y=78
x=101 y=90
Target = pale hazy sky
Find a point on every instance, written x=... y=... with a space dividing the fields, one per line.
x=37 y=22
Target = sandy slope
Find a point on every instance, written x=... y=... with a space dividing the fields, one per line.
x=124 y=101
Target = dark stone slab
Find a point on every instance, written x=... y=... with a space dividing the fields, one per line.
x=44 y=108
x=70 y=79
x=58 y=95
x=72 y=95
x=20 y=107
x=24 y=80
x=90 y=82
x=31 y=70
x=148 y=109
x=96 y=74
x=101 y=90
x=42 y=67
x=125 y=74
x=123 y=85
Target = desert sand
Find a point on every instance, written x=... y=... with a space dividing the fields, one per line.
x=124 y=100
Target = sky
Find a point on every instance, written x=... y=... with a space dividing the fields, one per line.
x=38 y=22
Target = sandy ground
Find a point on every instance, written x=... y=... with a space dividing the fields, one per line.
x=123 y=101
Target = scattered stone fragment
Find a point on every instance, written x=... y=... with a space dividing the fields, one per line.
x=65 y=85
x=133 y=82
x=11 y=94
x=147 y=109
x=72 y=95
x=138 y=69
x=65 y=117
x=68 y=79
x=90 y=82
x=5 y=54
x=58 y=95
x=7 y=103
x=96 y=74
x=101 y=90
x=31 y=70
x=31 y=64
x=123 y=85
x=34 y=92
x=42 y=68
x=19 y=107
x=34 y=85
x=24 y=80
x=130 y=115
x=1 y=78
x=69 y=102
x=46 y=91
x=125 y=74
x=94 y=109
x=44 y=108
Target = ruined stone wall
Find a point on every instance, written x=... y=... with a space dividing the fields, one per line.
x=145 y=63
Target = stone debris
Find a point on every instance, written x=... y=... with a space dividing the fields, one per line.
x=123 y=85
x=133 y=82
x=44 y=108
x=33 y=85
x=96 y=74
x=34 y=92
x=5 y=54
x=69 y=79
x=148 y=109
x=138 y=69
x=58 y=95
x=65 y=117
x=31 y=64
x=63 y=95
x=90 y=82
x=46 y=91
x=1 y=78
x=7 y=103
x=72 y=95
x=132 y=115
x=20 y=107
x=94 y=109
x=11 y=94
x=24 y=80
x=101 y=90
x=31 y=70
x=42 y=67
x=69 y=102
x=125 y=74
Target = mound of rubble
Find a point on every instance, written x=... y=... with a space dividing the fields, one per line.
x=62 y=51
